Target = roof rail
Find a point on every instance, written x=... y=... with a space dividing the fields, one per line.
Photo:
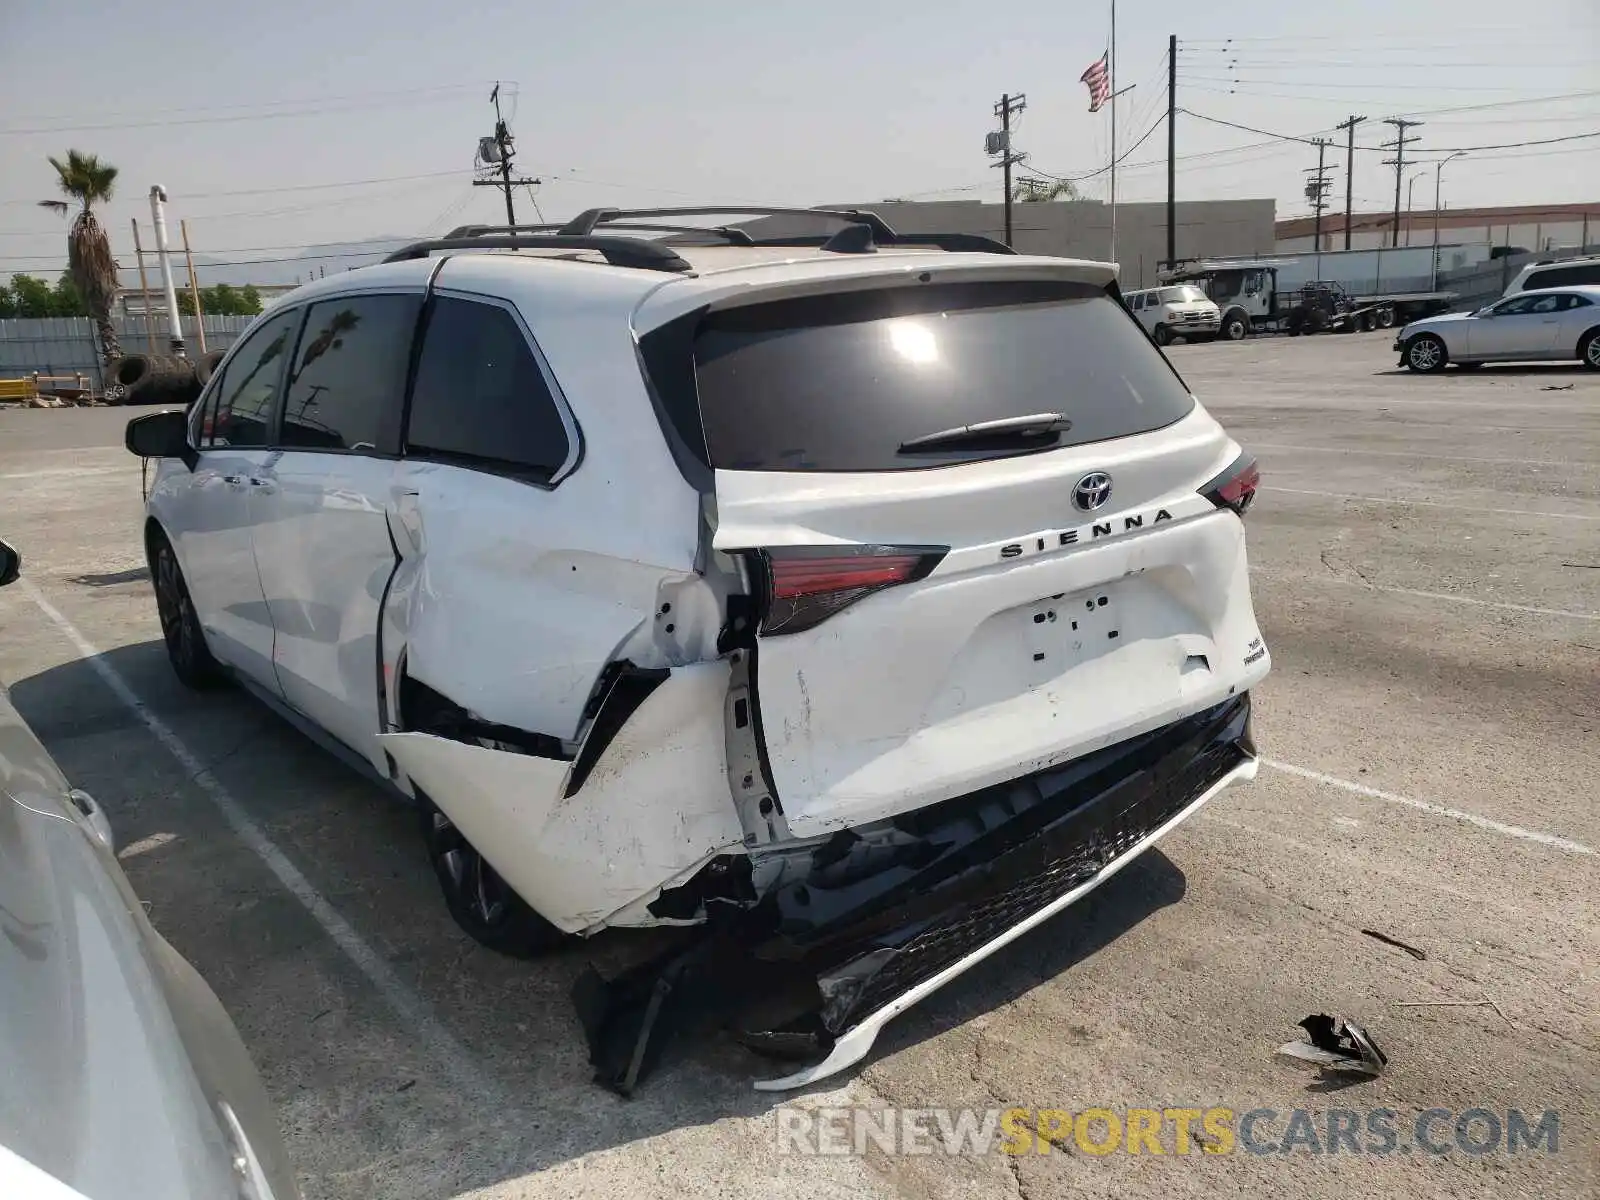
x=585 y=222
x=641 y=253
x=735 y=237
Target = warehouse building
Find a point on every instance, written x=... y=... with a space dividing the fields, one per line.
x=1081 y=228
x=1540 y=228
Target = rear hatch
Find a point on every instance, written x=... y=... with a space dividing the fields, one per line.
x=944 y=610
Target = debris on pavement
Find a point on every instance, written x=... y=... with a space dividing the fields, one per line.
x=1558 y=387
x=1335 y=1045
x=1420 y=955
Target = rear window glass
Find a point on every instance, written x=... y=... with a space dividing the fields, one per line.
x=1563 y=277
x=841 y=382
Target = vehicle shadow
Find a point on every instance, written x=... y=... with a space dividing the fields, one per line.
x=371 y=1101
x=1498 y=370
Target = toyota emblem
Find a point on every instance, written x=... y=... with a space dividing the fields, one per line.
x=1093 y=490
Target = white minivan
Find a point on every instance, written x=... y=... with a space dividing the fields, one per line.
x=1179 y=310
x=865 y=599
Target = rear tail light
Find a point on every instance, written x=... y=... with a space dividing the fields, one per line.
x=805 y=585
x=1235 y=488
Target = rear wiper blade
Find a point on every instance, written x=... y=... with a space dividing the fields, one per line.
x=1032 y=425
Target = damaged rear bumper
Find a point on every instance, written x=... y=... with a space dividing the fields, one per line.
x=851 y=931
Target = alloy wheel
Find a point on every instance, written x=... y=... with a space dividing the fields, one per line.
x=1424 y=354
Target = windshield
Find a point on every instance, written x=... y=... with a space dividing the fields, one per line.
x=839 y=382
x=1185 y=294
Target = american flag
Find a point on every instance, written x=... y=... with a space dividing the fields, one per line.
x=1098 y=77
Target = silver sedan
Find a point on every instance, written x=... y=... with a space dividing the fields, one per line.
x=1558 y=325
x=122 y=1075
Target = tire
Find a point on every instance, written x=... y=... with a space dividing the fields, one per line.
x=1589 y=350
x=187 y=651
x=481 y=902
x=1162 y=335
x=130 y=370
x=1369 y=322
x=1235 y=327
x=1386 y=317
x=1426 y=354
x=159 y=379
x=206 y=366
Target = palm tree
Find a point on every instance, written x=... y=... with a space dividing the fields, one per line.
x=1037 y=191
x=86 y=179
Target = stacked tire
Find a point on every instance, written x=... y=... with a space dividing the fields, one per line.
x=154 y=379
x=207 y=366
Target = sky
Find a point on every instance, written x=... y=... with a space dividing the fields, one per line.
x=278 y=126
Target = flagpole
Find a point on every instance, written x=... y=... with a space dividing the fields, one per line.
x=1112 y=71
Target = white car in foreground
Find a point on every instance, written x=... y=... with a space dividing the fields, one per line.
x=1553 y=326
x=861 y=600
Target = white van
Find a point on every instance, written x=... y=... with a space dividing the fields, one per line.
x=1180 y=310
x=1571 y=272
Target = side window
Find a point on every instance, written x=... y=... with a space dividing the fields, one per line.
x=1514 y=306
x=204 y=417
x=1548 y=304
x=240 y=415
x=348 y=382
x=480 y=397
x=1577 y=302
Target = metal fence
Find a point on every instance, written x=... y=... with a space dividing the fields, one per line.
x=64 y=345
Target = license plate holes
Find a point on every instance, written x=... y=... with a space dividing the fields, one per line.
x=1056 y=640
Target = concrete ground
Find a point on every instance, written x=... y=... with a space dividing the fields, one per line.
x=1427 y=570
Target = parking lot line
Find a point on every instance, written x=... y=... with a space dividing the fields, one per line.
x=49 y=471
x=1438 y=810
x=1466 y=508
x=1509 y=462
x=1454 y=599
x=457 y=1062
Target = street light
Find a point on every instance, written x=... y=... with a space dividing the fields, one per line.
x=1410 y=184
x=1438 y=173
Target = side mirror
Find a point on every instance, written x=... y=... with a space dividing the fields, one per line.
x=10 y=564
x=159 y=435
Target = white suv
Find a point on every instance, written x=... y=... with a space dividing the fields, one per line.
x=865 y=598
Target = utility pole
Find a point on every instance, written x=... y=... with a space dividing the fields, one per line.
x=194 y=289
x=1317 y=193
x=1001 y=144
x=1349 y=125
x=499 y=150
x=144 y=291
x=1172 y=151
x=1398 y=162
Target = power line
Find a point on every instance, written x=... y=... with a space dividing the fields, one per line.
x=297 y=101
x=1120 y=158
x=1310 y=139
x=314 y=109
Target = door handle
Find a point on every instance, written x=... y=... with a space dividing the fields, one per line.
x=266 y=485
x=233 y=480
